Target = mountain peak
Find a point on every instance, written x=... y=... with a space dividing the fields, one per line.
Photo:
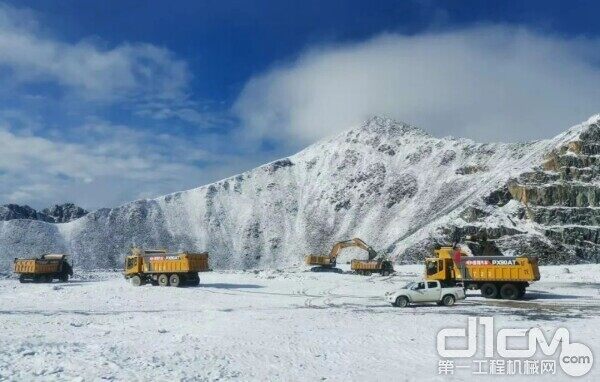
x=385 y=125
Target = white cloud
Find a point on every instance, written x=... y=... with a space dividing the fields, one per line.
x=129 y=70
x=53 y=151
x=489 y=83
x=108 y=165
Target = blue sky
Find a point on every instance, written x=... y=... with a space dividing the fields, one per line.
x=112 y=101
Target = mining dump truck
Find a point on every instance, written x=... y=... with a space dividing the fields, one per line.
x=45 y=268
x=496 y=276
x=158 y=267
x=376 y=263
x=366 y=267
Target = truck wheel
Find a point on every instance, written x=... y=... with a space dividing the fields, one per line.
x=385 y=273
x=367 y=273
x=174 y=280
x=193 y=280
x=448 y=300
x=163 y=280
x=64 y=277
x=401 y=302
x=509 y=292
x=136 y=281
x=489 y=290
x=22 y=278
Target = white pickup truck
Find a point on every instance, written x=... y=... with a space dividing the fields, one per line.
x=425 y=291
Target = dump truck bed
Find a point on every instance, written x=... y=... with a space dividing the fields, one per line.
x=372 y=265
x=37 y=266
x=522 y=269
x=175 y=262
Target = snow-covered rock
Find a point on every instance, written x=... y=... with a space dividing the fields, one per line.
x=390 y=183
x=64 y=213
x=59 y=213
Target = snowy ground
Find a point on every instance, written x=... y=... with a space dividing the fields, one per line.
x=268 y=325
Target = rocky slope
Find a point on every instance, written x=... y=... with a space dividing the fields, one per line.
x=62 y=213
x=392 y=184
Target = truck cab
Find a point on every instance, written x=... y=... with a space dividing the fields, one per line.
x=442 y=267
x=133 y=265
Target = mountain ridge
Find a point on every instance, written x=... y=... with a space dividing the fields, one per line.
x=390 y=183
x=59 y=213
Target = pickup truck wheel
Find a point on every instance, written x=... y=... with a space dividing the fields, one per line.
x=174 y=280
x=509 y=292
x=402 y=302
x=489 y=290
x=163 y=280
x=448 y=300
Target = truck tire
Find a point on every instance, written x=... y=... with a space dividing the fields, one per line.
x=448 y=300
x=385 y=273
x=64 y=277
x=193 y=280
x=22 y=279
x=175 y=280
x=367 y=273
x=136 y=280
x=163 y=280
x=401 y=302
x=509 y=292
x=489 y=290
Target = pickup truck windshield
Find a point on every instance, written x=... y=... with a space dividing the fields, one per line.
x=409 y=285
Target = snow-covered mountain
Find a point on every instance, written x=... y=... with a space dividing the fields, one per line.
x=392 y=184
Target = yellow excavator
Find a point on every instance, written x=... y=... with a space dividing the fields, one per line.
x=324 y=263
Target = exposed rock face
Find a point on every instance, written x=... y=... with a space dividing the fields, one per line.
x=400 y=189
x=563 y=194
x=15 y=211
x=58 y=214
x=555 y=208
x=64 y=213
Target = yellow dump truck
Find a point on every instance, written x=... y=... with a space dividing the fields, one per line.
x=367 y=267
x=45 y=268
x=165 y=269
x=496 y=276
